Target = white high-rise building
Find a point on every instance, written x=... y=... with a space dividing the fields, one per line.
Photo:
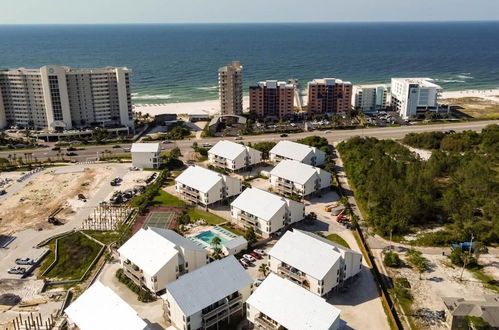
x=230 y=84
x=371 y=98
x=411 y=96
x=57 y=98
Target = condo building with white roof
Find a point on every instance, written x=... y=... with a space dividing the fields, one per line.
x=58 y=98
x=201 y=186
x=313 y=262
x=291 y=177
x=146 y=155
x=371 y=98
x=280 y=304
x=411 y=96
x=154 y=257
x=210 y=295
x=265 y=212
x=297 y=151
x=233 y=156
x=100 y=308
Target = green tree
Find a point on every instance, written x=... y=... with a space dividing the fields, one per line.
x=264 y=269
x=392 y=259
x=250 y=236
x=215 y=242
x=264 y=148
x=416 y=259
x=217 y=253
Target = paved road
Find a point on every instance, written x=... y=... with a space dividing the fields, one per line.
x=91 y=152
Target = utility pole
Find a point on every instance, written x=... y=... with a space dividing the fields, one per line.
x=464 y=261
x=391 y=245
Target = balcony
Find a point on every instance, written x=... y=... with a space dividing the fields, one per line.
x=249 y=219
x=134 y=273
x=264 y=322
x=224 y=310
x=296 y=277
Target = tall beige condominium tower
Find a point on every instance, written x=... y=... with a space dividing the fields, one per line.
x=230 y=83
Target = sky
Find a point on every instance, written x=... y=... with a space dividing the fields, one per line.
x=239 y=11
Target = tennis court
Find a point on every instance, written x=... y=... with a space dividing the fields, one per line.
x=159 y=220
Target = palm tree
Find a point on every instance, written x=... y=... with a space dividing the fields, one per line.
x=217 y=253
x=215 y=242
x=264 y=269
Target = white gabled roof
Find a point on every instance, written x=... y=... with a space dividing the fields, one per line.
x=227 y=149
x=307 y=252
x=292 y=306
x=150 y=249
x=259 y=203
x=291 y=150
x=199 y=178
x=208 y=284
x=145 y=147
x=294 y=171
x=100 y=308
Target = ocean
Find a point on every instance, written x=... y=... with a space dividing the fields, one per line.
x=179 y=62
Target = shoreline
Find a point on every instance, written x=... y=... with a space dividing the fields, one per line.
x=212 y=107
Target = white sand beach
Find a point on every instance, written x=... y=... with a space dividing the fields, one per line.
x=487 y=94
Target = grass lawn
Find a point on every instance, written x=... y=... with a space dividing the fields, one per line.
x=105 y=237
x=165 y=199
x=233 y=229
x=338 y=240
x=211 y=218
x=76 y=252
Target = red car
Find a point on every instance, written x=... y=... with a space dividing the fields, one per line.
x=256 y=255
x=244 y=266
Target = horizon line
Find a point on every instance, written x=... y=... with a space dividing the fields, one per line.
x=255 y=23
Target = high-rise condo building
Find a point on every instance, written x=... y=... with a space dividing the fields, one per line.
x=57 y=98
x=371 y=98
x=411 y=96
x=230 y=84
x=329 y=95
x=272 y=99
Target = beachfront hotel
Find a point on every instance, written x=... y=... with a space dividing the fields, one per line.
x=329 y=95
x=272 y=99
x=230 y=87
x=371 y=98
x=57 y=98
x=265 y=212
x=411 y=96
x=154 y=257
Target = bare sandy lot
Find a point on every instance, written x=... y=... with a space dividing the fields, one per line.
x=30 y=207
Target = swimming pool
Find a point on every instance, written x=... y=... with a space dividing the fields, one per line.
x=208 y=236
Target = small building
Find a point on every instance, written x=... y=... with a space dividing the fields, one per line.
x=100 y=308
x=201 y=186
x=280 y=304
x=146 y=155
x=233 y=156
x=291 y=177
x=265 y=212
x=208 y=297
x=313 y=262
x=297 y=151
x=458 y=309
x=154 y=257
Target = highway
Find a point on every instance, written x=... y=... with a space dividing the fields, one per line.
x=90 y=153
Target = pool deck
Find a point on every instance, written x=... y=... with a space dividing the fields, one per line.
x=193 y=232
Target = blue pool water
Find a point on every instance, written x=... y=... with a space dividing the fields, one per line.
x=207 y=236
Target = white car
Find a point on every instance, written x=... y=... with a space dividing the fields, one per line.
x=259 y=251
x=16 y=270
x=249 y=258
x=25 y=261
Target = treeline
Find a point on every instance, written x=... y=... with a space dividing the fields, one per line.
x=400 y=192
x=485 y=141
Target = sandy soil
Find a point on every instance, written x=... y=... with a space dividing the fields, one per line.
x=441 y=281
x=130 y=180
x=475 y=103
x=30 y=207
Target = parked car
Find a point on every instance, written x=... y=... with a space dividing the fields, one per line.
x=134 y=168
x=244 y=262
x=16 y=270
x=259 y=251
x=117 y=146
x=71 y=149
x=255 y=255
x=56 y=148
x=249 y=258
x=71 y=154
x=237 y=138
x=2 y=192
x=284 y=135
x=207 y=145
x=126 y=149
x=25 y=261
x=167 y=141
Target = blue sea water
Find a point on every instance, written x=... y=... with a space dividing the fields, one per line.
x=179 y=63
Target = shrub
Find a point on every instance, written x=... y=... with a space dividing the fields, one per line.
x=142 y=294
x=392 y=259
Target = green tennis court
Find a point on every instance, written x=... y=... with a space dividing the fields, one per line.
x=159 y=220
